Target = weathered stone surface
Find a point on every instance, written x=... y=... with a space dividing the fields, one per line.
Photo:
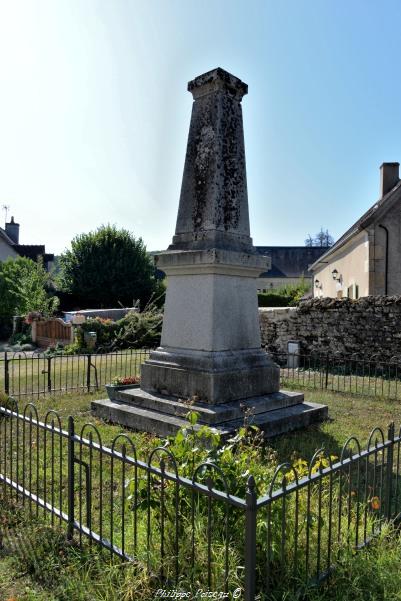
x=368 y=326
x=212 y=415
x=213 y=210
x=210 y=346
x=214 y=377
x=272 y=422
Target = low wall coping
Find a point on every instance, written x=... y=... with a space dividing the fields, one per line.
x=277 y=309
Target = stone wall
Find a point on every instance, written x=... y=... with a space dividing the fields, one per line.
x=366 y=326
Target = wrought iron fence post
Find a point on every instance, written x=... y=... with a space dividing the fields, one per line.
x=71 y=479
x=326 y=382
x=250 y=540
x=390 y=460
x=88 y=373
x=6 y=374
x=49 y=374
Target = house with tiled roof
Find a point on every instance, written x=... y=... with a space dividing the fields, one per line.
x=366 y=259
x=11 y=248
x=288 y=265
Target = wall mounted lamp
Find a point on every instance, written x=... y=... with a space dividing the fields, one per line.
x=336 y=275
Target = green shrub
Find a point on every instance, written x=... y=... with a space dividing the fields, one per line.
x=139 y=330
x=274 y=299
x=24 y=287
x=22 y=337
x=286 y=296
x=135 y=330
x=106 y=267
x=105 y=329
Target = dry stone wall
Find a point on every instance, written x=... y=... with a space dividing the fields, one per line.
x=368 y=326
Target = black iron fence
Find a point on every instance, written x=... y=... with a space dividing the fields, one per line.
x=25 y=375
x=30 y=375
x=351 y=374
x=191 y=531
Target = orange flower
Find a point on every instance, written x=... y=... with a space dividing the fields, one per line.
x=375 y=502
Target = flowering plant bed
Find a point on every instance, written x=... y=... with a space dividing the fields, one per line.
x=120 y=384
x=124 y=381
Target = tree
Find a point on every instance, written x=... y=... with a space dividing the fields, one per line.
x=24 y=287
x=322 y=238
x=106 y=268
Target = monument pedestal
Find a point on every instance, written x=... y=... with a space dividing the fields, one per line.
x=274 y=413
x=213 y=377
x=210 y=355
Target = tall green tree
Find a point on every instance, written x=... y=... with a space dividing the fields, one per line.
x=108 y=267
x=24 y=287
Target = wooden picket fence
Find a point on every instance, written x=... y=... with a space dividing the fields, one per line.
x=51 y=331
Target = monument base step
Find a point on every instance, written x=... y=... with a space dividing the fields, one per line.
x=274 y=414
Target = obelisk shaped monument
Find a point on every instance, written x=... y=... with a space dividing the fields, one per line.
x=210 y=352
x=210 y=346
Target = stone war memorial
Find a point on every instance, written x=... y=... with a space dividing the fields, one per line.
x=210 y=353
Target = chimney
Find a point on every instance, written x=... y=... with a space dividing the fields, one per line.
x=389 y=177
x=12 y=230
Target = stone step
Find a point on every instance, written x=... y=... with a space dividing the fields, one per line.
x=137 y=418
x=272 y=423
x=211 y=414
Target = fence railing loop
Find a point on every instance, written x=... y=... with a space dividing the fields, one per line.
x=52 y=413
x=309 y=519
x=378 y=431
x=317 y=455
x=346 y=446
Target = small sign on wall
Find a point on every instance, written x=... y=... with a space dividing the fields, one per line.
x=293 y=349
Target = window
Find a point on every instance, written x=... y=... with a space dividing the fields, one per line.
x=356 y=291
x=350 y=292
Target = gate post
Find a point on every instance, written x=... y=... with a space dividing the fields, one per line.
x=389 y=467
x=6 y=374
x=326 y=382
x=49 y=374
x=250 y=540
x=71 y=479
x=88 y=373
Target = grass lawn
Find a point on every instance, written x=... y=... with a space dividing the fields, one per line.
x=34 y=376
x=50 y=570
x=349 y=415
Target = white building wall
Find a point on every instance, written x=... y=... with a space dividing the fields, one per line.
x=352 y=264
x=6 y=251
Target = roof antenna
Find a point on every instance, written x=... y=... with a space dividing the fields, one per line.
x=5 y=208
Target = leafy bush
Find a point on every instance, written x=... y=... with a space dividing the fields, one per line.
x=108 y=267
x=24 y=287
x=105 y=329
x=139 y=330
x=273 y=299
x=286 y=296
x=21 y=338
x=135 y=330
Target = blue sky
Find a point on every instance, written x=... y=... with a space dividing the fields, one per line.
x=95 y=113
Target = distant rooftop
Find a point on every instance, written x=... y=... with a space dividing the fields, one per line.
x=10 y=234
x=290 y=261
